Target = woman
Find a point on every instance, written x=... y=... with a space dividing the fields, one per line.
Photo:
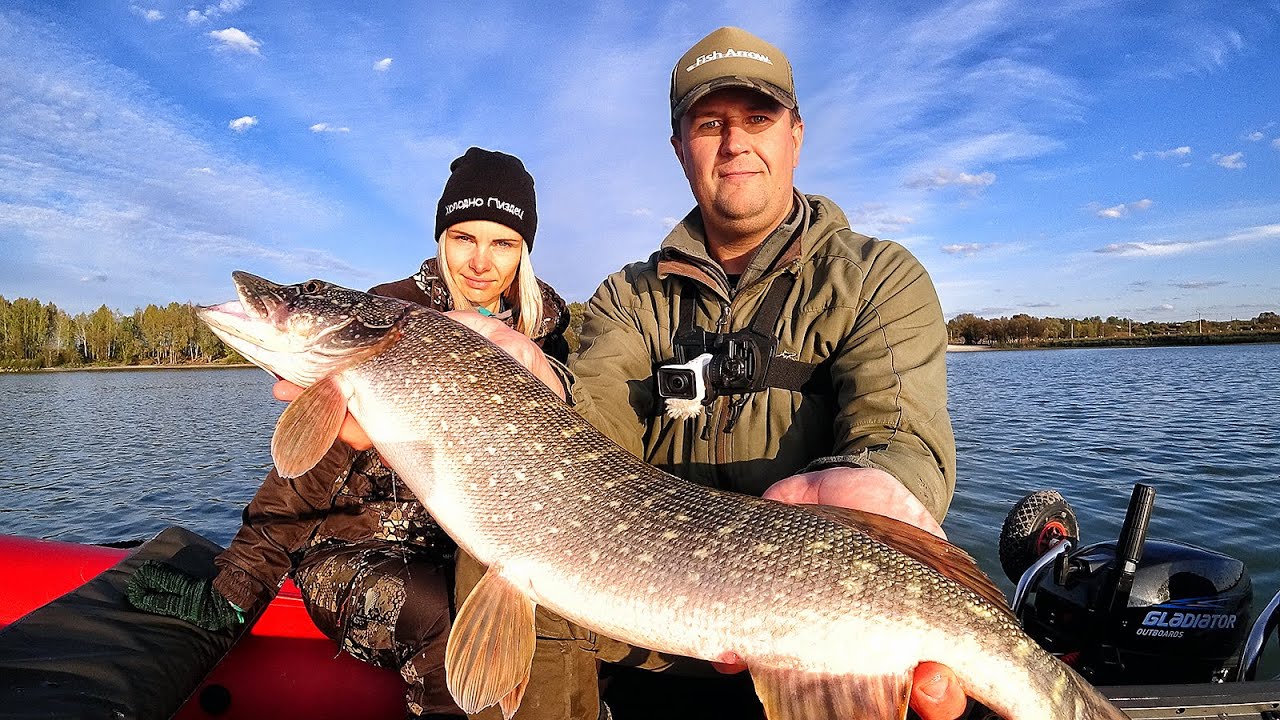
x=373 y=567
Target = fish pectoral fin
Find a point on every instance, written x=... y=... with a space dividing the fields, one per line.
x=803 y=695
x=307 y=428
x=490 y=648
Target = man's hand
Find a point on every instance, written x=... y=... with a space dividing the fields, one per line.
x=868 y=489
x=936 y=694
x=516 y=344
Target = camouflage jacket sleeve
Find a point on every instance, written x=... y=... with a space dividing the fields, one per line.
x=277 y=522
x=889 y=376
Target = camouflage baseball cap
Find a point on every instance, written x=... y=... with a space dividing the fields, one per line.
x=730 y=57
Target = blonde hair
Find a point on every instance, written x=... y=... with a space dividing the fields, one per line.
x=524 y=294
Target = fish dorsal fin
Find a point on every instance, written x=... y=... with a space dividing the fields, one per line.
x=307 y=428
x=800 y=695
x=949 y=560
x=490 y=648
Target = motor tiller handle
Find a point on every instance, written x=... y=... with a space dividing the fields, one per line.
x=1133 y=538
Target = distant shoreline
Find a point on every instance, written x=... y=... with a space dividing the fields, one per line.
x=106 y=368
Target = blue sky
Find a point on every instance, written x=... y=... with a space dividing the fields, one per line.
x=1067 y=159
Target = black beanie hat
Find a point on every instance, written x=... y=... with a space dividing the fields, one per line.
x=488 y=185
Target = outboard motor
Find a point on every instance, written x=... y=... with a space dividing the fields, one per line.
x=1129 y=612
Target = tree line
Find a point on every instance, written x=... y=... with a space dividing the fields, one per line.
x=38 y=335
x=1026 y=330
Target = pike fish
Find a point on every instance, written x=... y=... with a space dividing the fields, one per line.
x=831 y=610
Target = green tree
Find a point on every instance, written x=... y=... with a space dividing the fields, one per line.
x=100 y=332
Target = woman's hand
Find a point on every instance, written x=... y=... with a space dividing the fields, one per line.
x=350 y=433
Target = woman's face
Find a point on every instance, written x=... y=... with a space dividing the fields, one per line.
x=483 y=257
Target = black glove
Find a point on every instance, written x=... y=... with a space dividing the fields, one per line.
x=165 y=590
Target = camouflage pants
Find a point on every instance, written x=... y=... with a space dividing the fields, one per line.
x=386 y=605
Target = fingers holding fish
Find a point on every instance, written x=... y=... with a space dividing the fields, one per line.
x=514 y=343
x=936 y=693
x=351 y=432
x=858 y=488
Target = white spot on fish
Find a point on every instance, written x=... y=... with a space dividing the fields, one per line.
x=681 y=517
x=475 y=421
x=594 y=555
x=539 y=447
x=796 y=573
x=702 y=553
x=766 y=548
x=693 y=577
x=467 y=459
x=726 y=530
x=557 y=475
x=491 y=450
x=537 y=506
x=511 y=428
x=435 y=388
x=496 y=399
x=621 y=528
x=646 y=558
x=818 y=546
x=670 y=535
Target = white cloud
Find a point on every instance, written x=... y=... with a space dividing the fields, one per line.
x=195 y=17
x=878 y=219
x=1116 y=212
x=1254 y=136
x=1178 y=152
x=1234 y=161
x=236 y=39
x=964 y=249
x=150 y=15
x=382 y=65
x=327 y=128
x=1180 y=247
x=944 y=178
x=241 y=124
x=1276 y=143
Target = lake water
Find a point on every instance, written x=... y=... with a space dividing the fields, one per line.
x=104 y=456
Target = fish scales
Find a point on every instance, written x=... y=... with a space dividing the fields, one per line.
x=523 y=483
x=667 y=564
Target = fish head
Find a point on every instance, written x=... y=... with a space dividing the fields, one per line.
x=307 y=331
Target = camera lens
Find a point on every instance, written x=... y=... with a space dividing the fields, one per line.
x=676 y=383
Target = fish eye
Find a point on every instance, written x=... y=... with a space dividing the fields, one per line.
x=311 y=287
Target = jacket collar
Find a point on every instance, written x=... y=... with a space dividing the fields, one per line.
x=684 y=251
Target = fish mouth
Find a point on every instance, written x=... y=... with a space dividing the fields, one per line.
x=260 y=317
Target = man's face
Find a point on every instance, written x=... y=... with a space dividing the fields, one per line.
x=739 y=150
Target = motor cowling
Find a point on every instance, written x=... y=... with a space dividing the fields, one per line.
x=1186 y=618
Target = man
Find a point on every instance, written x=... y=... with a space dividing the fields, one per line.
x=839 y=338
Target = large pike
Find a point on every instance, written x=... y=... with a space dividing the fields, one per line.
x=831 y=610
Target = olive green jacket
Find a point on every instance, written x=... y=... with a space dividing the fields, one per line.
x=863 y=308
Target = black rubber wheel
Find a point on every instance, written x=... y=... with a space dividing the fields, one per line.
x=1035 y=524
